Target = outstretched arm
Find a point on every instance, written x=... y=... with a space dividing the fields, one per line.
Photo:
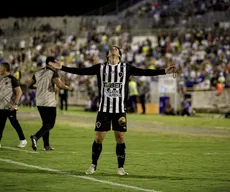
x=80 y=71
x=146 y=72
x=151 y=72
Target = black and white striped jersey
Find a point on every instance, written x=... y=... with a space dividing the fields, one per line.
x=7 y=91
x=113 y=83
x=45 y=87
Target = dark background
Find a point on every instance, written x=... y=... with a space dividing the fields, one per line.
x=33 y=8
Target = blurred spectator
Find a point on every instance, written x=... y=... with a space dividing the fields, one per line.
x=133 y=95
x=186 y=107
x=32 y=98
x=1 y=57
x=168 y=110
x=220 y=84
x=63 y=95
x=214 y=80
x=143 y=89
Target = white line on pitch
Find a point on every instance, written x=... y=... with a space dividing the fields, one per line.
x=77 y=176
x=18 y=149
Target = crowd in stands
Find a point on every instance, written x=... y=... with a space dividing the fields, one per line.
x=202 y=55
x=173 y=12
x=149 y=15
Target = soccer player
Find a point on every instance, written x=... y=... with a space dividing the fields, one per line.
x=10 y=94
x=45 y=80
x=113 y=77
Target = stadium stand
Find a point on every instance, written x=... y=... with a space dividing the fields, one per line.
x=150 y=33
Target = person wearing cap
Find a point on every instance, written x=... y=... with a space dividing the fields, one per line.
x=10 y=94
x=44 y=81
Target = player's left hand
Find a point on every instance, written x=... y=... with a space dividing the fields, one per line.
x=170 y=69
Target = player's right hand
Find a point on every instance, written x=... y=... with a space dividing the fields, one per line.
x=56 y=64
x=13 y=107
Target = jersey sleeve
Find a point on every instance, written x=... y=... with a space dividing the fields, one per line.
x=145 y=72
x=93 y=70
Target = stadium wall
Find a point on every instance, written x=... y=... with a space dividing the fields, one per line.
x=202 y=101
x=208 y=101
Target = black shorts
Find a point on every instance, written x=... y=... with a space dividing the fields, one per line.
x=104 y=120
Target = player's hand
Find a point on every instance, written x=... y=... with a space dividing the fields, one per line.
x=13 y=107
x=70 y=88
x=56 y=64
x=170 y=69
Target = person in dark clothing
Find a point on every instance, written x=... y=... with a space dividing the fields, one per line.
x=32 y=98
x=168 y=110
x=10 y=94
x=113 y=84
x=186 y=108
x=144 y=88
x=63 y=95
x=45 y=79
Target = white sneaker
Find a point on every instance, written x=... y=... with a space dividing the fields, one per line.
x=121 y=171
x=91 y=169
x=22 y=143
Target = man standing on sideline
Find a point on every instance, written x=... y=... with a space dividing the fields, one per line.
x=45 y=80
x=144 y=88
x=63 y=93
x=113 y=78
x=10 y=94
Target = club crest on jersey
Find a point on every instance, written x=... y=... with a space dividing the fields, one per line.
x=120 y=74
x=98 y=124
x=122 y=121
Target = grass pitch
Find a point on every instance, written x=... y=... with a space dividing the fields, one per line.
x=164 y=153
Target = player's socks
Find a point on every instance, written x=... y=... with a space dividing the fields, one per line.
x=96 y=151
x=120 y=151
